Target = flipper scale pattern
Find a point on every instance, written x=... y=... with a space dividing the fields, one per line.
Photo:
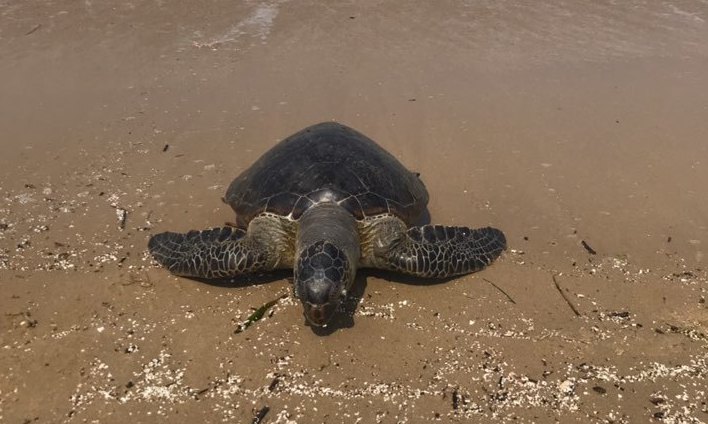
x=437 y=251
x=214 y=253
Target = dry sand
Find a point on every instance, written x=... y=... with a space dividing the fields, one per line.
x=558 y=122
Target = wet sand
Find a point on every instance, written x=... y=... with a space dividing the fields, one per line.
x=559 y=123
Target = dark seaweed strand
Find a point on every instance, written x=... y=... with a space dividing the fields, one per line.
x=436 y=251
x=215 y=253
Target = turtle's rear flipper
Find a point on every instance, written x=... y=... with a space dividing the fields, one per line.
x=436 y=251
x=216 y=253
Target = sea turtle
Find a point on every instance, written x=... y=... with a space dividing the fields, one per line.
x=327 y=201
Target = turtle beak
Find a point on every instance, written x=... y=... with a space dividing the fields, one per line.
x=319 y=315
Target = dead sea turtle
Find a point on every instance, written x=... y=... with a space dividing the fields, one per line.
x=326 y=201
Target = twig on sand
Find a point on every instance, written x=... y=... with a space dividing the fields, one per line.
x=502 y=291
x=588 y=248
x=455 y=399
x=259 y=415
x=36 y=27
x=273 y=384
x=575 y=311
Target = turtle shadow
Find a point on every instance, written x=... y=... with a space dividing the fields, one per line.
x=398 y=278
x=246 y=280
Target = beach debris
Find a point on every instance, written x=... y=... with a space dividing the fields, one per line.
x=588 y=248
x=456 y=398
x=122 y=216
x=274 y=383
x=34 y=29
x=167 y=146
x=260 y=414
x=567 y=387
x=570 y=304
x=502 y=291
x=257 y=314
x=28 y=323
x=24 y=243
x=599 y=389
x=692 y=333
x=656 y=400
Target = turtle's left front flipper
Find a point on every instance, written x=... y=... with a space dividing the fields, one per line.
x=216 y=253
x=436 y=251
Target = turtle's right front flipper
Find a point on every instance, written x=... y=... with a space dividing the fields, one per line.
x=436 y=251
x=216 y=253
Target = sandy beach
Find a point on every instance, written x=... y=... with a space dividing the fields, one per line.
x=578 y=128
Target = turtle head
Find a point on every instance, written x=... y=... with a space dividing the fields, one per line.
x=322 y=277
